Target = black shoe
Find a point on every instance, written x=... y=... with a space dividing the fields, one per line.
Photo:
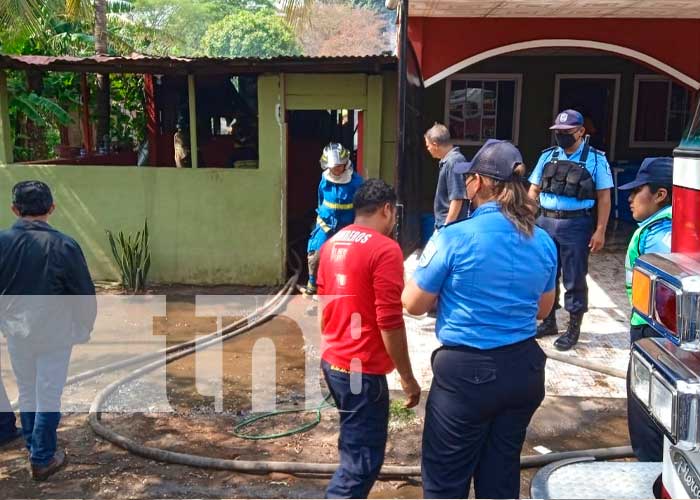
x=42 y=472
x=570 y=338
x=548 y=326
x=11 y=438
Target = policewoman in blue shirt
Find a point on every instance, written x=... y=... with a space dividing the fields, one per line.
x=568 y=180
x=492 y=276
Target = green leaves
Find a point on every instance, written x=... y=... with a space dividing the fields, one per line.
x=250 y=34
x=40 y=110
x=133 y=257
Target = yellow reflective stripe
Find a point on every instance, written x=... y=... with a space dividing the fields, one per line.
x=338 y=206
x=323 y=225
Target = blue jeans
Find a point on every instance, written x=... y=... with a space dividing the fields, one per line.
x=364 y=418
x=40 y=376
x=571 y=237
x=8 y=427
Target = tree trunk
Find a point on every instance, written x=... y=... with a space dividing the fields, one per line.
x=36 y=134
x=103 y=90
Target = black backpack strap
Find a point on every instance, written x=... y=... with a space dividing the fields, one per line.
x=586 y=150
x=555 y=155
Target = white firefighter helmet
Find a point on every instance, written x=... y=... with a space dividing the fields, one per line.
x=334 y=154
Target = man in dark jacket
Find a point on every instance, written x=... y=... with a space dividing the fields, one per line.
x=47 y=305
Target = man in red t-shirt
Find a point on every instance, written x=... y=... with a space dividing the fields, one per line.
x=360 y=280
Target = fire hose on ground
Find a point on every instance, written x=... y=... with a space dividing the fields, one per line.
x=298 y=468
x=258 y=317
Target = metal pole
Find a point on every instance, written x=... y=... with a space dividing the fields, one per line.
x=401 y=135
x=193 y=120
x=85 y=117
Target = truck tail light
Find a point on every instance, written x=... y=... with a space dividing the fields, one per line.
x=641 y=292
x=666 y=301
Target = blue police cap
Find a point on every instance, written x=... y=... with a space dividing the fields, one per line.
x=495 y=159
x=567 y=119
x=653 y=171
x=32 y=197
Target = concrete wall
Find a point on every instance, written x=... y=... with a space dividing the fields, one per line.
x=207 y=226
x=539 y=73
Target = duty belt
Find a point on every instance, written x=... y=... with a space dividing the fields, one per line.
x=565 y=214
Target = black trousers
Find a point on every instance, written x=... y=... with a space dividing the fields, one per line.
x=571 y=237
x=646 y=438
x=477 y=413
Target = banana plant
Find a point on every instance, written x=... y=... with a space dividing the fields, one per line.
x=133 y=257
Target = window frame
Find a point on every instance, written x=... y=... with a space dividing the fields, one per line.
x=633 y=143
x=517 y=78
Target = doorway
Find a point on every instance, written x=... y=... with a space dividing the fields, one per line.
x=597 y=98
x=308 y=132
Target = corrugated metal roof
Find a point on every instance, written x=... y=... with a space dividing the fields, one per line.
x=138 y=63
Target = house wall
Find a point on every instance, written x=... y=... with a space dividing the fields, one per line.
x=442 y=42
x=207 y=226
x=537 y=104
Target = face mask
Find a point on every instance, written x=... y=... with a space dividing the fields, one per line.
x=565 y=141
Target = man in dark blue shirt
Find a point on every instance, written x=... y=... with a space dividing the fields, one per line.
x=47 y=305
x=449 y=205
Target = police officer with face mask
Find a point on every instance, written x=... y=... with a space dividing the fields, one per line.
x=569 y=180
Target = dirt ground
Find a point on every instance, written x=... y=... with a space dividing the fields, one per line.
x=98 y=469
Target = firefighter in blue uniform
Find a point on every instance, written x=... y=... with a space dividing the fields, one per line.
x=569 y=180
x=335 y=210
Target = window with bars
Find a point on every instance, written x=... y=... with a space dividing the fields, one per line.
x=481 y=107
x=660 y=112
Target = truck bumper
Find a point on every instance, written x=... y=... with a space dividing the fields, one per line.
x=584 y=478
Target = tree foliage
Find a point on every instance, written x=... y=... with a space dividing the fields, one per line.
x=336 y=29
x=181 y=24
x=250 y=34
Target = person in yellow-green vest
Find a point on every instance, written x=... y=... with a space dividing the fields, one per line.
x=650 y=202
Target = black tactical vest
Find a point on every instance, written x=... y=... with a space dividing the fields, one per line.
x=569 y=178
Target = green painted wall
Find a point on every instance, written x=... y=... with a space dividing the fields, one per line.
x=539 y=73
x=375 y=94
x=207 y=225
x=210 y=226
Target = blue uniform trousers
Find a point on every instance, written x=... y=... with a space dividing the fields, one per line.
x=364 y=418
x=477 y=413
x=40 y=380
x=572 y=237
x=646 y=438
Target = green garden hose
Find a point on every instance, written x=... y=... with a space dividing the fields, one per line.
x=327 y=403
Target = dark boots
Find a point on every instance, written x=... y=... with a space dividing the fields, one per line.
x=570 y=338
x=548 y=325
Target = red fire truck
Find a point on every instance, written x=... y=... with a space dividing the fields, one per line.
x=665 y=371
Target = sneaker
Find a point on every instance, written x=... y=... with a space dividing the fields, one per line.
x=42 y=472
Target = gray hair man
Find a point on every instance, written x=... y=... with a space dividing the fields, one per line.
x=449 y=205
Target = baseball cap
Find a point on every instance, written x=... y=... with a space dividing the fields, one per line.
x=32 y=197
x=567 y=119
x=495 y=159
x=653 y=171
